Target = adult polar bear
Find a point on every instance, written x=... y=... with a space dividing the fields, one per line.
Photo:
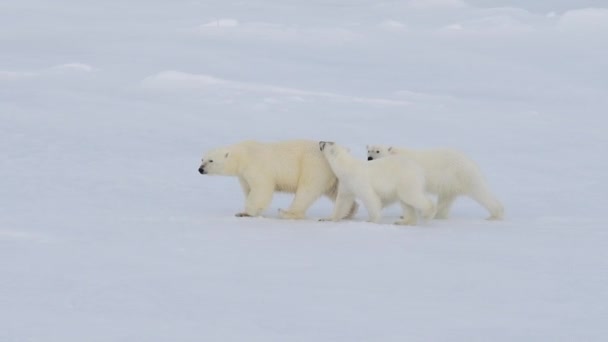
x=378 y=184
x=449 y=174
x=295 y=166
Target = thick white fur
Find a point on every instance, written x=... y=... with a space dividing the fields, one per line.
x=378 y=184
x=449 y=174
x=295 y=166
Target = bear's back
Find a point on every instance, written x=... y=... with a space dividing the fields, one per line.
x=287 y=161
x=282 y=152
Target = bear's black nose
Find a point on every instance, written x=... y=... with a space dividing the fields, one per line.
x=370 y=158
x=201 y=170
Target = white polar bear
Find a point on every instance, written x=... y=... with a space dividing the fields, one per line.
x=449 y=174
x=378 y=184
x=295 y=166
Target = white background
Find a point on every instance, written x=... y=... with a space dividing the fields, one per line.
x=108 y=232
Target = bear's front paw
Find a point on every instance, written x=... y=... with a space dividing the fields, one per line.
x=407 y=222
x=494 y=218
x=242 y=215
x=289 y=215
x=327 y=219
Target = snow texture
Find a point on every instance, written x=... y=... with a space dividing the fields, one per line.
x=108 y=232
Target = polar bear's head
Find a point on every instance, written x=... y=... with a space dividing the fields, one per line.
x=217 y=162
x=378 y=151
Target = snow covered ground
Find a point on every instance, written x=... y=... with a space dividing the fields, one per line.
x=108 y=232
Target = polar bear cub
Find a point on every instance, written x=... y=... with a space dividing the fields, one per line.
x=295 y=166
x=449 y=174
x=377 y=184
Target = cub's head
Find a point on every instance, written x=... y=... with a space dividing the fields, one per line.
x=331 y=149
x=378 y=151
x=216 y=162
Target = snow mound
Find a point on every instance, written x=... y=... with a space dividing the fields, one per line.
x=13 y=75
x=177 y=81
x=77 y=67
x=436 y=4
x=222 y=23
x=392 y=25
x=586 y=19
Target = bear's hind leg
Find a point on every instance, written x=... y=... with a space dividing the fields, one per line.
x=420 y=201
x=352 y=211
x=306 y=195
x=409 y=217
x=484 y=197
x=343 y=204
x=373 y=204
x=444 y=203
x=332 y=194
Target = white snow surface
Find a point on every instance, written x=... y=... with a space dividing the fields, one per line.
x=108 y=232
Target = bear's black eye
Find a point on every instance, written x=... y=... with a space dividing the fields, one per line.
x=211 y=160
x=377 y=151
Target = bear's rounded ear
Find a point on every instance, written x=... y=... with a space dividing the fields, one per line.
x=367 y=147
x=390 y=149
x=226 y=155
